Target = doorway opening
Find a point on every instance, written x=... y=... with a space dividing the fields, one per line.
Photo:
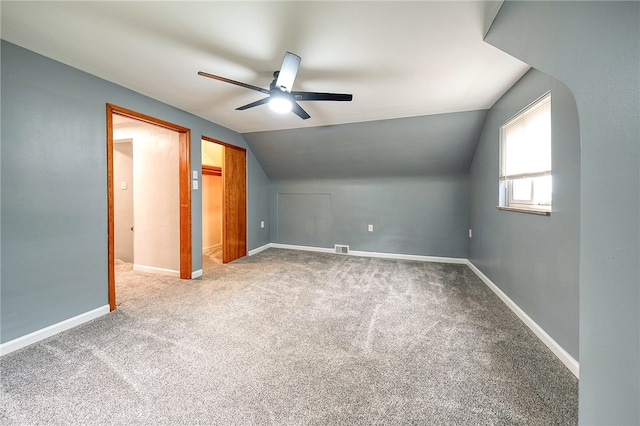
x=154 y=156
x=212 y=203
x=224 y=193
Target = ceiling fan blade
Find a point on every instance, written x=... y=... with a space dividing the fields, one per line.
x=237 y=83
x=288 y=71
x=254 y=104
x=297 y=109
x=315 y=96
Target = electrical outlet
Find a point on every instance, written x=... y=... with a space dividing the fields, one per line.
x=262 y=224
x=370 y=228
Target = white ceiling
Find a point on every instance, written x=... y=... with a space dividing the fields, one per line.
x=398 y=59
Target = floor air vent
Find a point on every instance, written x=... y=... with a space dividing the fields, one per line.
x=342 y=249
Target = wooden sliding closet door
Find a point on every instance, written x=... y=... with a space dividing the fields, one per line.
x=234 y=228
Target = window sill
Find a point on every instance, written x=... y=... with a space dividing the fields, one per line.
x=525 y=210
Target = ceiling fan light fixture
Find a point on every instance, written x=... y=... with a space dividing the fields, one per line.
x=280 y=104
x=281 y=99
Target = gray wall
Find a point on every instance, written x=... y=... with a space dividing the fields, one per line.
x=407 y=177
x=421 y=215
x=533 y=259
x=54 y=188
x=257 y=204
x=594 y=48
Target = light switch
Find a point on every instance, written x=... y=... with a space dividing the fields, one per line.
x=123 y=185
x=262 y=224
x=195 y=184
x=195 y=174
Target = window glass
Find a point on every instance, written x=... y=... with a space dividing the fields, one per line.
x=525 y=147
x=523 y=190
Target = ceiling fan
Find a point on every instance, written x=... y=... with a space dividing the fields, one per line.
x=281 y=98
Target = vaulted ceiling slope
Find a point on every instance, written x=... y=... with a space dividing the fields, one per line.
x=441 y=144
x=398 y=59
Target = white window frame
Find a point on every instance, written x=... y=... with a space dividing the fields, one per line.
x=537 y=177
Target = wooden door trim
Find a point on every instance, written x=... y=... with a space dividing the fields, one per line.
x=225 y=144
x=184 y=140
x=111 y=260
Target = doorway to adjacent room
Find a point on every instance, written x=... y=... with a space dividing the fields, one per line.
x=160 y=234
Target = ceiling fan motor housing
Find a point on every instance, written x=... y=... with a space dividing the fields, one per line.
x=281 y=98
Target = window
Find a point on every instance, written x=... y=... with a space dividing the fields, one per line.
x=525 y=167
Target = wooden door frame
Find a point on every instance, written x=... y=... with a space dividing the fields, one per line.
x=184 y=140
x=224 y=212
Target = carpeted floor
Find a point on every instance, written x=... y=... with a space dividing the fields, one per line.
x=293 y=338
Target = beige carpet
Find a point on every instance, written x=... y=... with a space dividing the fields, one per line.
x=289 y=337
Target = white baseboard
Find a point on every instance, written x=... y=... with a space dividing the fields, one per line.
x=154 y=270
x=563 y=355
x=417 y=257
x=36 y=336
x=259 y=249
x=359 y=253
x=162 y=271
x=303 y=248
